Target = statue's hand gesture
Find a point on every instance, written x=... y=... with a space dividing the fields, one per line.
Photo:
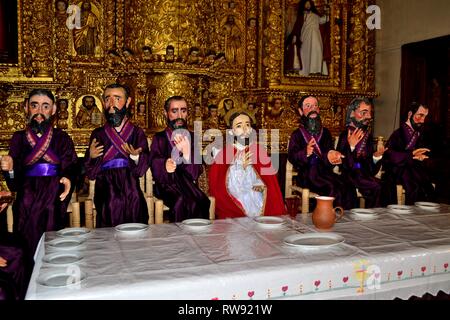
x=95 y=149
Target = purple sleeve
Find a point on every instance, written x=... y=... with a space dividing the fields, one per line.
x=297 y=150
x=326 y=144
x=68 y=157
x=92 y=166
x=344 y=147
x=157 y=161
x=16 y=151
x=192 y=169
x=396 y=153
x=141 y=167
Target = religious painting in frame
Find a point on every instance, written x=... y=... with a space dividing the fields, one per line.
x=313 y=42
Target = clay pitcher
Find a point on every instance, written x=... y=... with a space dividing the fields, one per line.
x=324 y=215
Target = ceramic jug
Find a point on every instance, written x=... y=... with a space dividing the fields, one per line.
x=324 y=215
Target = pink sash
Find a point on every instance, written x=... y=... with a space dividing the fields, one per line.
x=117 y=140
x=412 y=136
x=40 y=147
x=307 y=136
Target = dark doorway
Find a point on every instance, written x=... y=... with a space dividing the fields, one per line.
x=425 y=76
x=8 y=31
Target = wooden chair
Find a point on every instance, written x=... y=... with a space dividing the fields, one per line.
x=290 y=187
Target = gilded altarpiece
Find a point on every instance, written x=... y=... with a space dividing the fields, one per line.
x=212 y=52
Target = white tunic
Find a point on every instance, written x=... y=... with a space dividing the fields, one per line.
x=240 y=185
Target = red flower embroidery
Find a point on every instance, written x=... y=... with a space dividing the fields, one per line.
x=423 y=269
x=251 y=293
x=399 y=273
x=317 y=283
x=284 y=288
x=345 y=279
x=215 y=298
x=445 y=265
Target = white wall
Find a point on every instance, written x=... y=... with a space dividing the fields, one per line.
x=402 y=22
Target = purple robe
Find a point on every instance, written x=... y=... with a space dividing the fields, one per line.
x=359 y=168
x=118 y=197
x=178 y=190
x=15 y=276
x=401 y=168
x=38 y=208
x=316 y=172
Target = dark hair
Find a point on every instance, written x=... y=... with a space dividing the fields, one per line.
x=118 y=85
x=212 y=106
x=58 y=103
x=192 y=49
x=301 y=7
x=85 y=97
x=42 y=92
x=237 y=114
x=58 y=1
x=300 y=102
x=147 y=48
x=415 y=106
x=354 y=104
x=169 y=101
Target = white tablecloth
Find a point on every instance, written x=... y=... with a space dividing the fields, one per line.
x=390 y=256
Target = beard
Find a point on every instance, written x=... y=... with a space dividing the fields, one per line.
x=363 y=124
x=312 y=125
x=116 y=118
x=174 y=126
x=39 y=127
x=245 y=139
x=416 y=126
x=242 y=140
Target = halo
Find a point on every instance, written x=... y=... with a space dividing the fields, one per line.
x=237 y=110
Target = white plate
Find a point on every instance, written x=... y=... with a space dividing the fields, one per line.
x=432 y=206
x=269 y=221
x=131 y=227
x=61 y=278
x=196 y=223
x=401 y=209
x=364 y=213
x=62 y=258
x=314 y=240
x=65 y=243
x=73 y=232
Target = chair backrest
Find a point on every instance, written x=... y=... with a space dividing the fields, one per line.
x=290 y=174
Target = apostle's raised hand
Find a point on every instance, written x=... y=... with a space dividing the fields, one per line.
x=355 y=137
x=3 y=262
x=5 y=197
x=66 y=183
x=380 y=151
x=310 y=147
x=7 y=163
x=335 y=157
x=183 y=144
x=171 y=165
x=131 y=150
x=419 y=154
x=95 y=149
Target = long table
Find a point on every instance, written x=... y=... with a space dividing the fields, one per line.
x=392 y=255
